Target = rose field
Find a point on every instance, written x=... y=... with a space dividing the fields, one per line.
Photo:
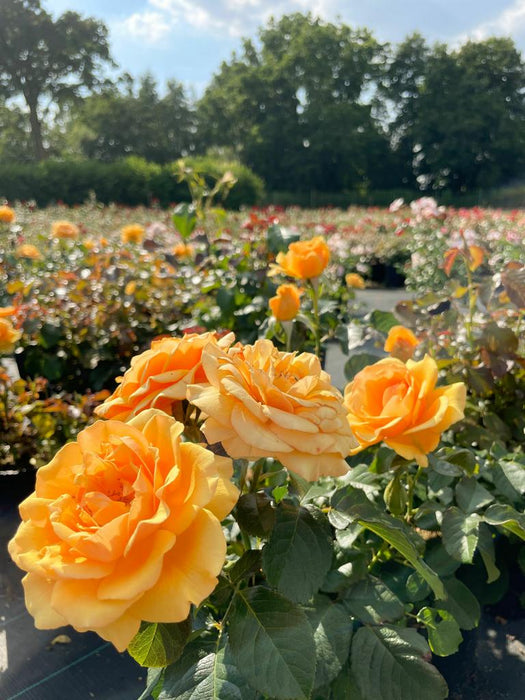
x=199 y=493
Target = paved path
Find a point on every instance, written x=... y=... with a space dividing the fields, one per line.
x=370 y=300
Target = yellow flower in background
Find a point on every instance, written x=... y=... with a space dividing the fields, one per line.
x=133 y=233
x=401 y=343
x=8 y=336
x=303 y=259
x=159 y=377
x=26 y=250
x=285 y=306
x=264 y=403
x=183 y=250
x=64 y=229
x=354 y=281
x=7 y=215
x=400 y=405
x=123 y=526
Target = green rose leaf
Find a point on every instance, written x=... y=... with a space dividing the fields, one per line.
x=389 y=663
x=373 y=602
x=470 y=495
x=184 y=219
x=247 y=565
x=506 y=517
x=399 y=536
x=298 y=554
x=159 y=644
x=444 y=636
x=333 y=630
x=487 y=551
x=272 y=644
x=204 y=674
x=460 y=534
x=345 y=685
x=255 y=514
x=509 y=478
x=153 y=684
x=461 y=604
x=383 y=320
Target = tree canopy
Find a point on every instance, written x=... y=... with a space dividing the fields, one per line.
x=42 y=57
x=309 y=105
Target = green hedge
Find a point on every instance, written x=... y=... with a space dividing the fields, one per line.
x=131 y=182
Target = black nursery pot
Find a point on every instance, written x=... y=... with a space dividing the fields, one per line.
x=387 y=274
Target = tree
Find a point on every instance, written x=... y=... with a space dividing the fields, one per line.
x=459 y=114
x=15 y=135
x=41 y=57
x=130 y=121
x=295 y=110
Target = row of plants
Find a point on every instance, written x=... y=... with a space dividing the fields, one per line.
x=287 y=540
x=132 y=181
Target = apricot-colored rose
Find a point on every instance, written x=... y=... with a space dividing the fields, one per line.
x=64 y=229
x=8 y=336
x=285 y=306
x=400 y=405
x=400 y=343
x=303 y=259
x=7 y=215
x=264 y=403
x=183 y=250
x=26 y=250
x=133 y=233
x=159 y=377
x=123 y=526
x=355 y=281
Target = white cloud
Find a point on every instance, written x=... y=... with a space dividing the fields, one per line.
x=148 y=26
x=219 y=17
x=509 y=22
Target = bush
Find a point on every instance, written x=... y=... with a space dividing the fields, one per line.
x=131 y=182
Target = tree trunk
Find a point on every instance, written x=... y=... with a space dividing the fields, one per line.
x=36 y=131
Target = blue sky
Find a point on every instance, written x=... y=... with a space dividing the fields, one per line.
x=188 y=39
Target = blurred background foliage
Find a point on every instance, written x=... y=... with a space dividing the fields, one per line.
x=323 y=113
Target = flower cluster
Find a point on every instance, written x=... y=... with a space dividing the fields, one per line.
x=125 y=523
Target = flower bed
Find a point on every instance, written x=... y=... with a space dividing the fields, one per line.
x=359 y=532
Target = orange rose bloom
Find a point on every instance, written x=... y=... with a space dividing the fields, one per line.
x=6 y=311
x=64 y=229
x=8 y=336
x=264 y=403
x=285 y=306
x=400 y=405
x=183 y=250
x=7 y=215
x=303 y=259
x=134 y=233
x=123 y=526
x=401 y=343
x=26 y=250
x=355 y=281
x=159 y=377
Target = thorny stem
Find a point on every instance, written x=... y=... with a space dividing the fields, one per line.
x=257 y=468
x=411 y=481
